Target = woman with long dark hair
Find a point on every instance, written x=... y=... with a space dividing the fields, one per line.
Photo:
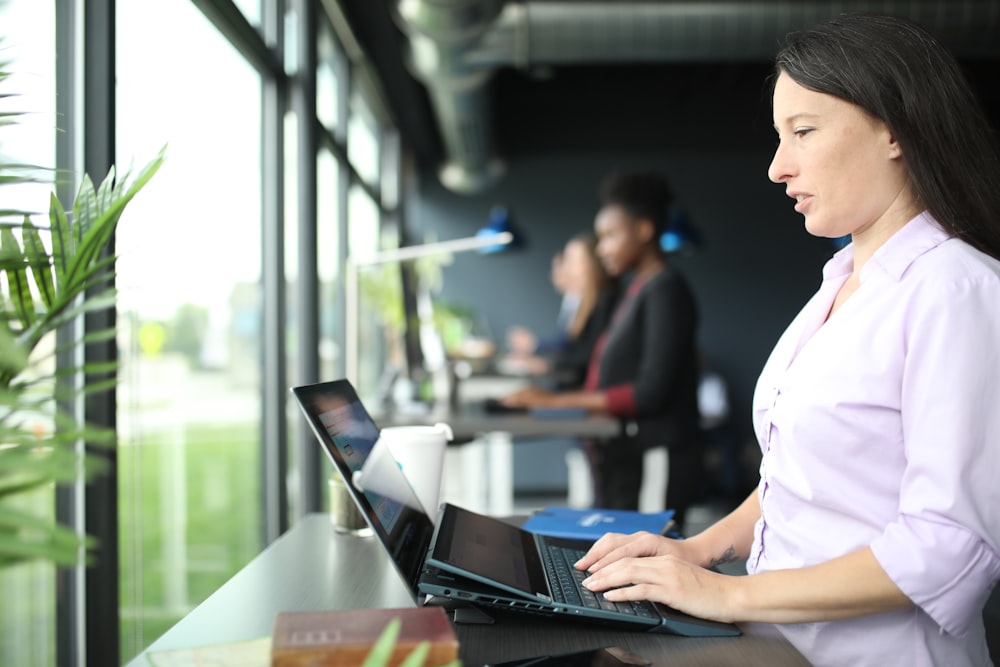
x=873 y=535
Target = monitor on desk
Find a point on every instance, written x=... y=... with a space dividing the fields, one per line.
x=411 y=328
x=424 y=352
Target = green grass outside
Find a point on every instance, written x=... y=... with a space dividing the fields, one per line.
x=27 y=596
x=217 y=517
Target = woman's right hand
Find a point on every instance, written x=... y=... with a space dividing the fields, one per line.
x=614 y=546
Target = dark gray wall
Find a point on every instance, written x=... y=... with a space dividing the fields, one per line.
x=756 y=268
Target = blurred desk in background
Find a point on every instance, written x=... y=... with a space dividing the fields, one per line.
x=479 y=467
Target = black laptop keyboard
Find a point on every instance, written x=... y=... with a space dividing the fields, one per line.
x=564 y=580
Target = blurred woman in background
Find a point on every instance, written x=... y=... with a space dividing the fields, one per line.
x=585 y=284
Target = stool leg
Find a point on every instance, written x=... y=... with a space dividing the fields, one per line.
x=500 y=491
x=653 y=491
x=580 y=483
x=472 y=486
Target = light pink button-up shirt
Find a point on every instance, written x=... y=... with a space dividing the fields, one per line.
x=880 y=427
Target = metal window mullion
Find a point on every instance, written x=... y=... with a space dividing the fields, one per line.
x=303 y=100
x=345 y=172
x=70 y=614
x=274 y=440
x=101 y=604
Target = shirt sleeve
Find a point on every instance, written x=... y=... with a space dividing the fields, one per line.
x=621 y=400
x=942 y=549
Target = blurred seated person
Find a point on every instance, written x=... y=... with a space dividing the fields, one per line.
x=588 y=298
x=526 y=352
x=521 y=341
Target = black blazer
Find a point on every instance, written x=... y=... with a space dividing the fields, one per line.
x=651 y=346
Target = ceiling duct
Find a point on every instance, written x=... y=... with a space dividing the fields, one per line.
x=456 y=45
x=440 y=34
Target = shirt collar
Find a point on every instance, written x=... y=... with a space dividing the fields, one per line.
x=916 y=237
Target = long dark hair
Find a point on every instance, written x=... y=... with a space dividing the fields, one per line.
x=896 y=71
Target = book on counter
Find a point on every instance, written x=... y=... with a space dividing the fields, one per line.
x=346 y=636
x=591 y=524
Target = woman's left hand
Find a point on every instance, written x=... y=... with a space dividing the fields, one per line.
x=670 y=581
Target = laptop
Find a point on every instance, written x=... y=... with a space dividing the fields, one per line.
x=463 y=555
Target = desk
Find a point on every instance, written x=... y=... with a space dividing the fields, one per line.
x=311 y=567
x=488 y=450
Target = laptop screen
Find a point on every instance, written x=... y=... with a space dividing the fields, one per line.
x=488 y=549
x=348 y=435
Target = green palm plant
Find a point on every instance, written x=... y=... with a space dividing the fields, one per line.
x=49 y=277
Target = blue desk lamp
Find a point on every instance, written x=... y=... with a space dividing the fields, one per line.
x=499 y=223
x=679 y=236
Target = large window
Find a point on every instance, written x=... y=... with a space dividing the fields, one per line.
x=207 y=80
x=189 y=312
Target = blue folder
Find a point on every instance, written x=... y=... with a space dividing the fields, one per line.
x=590 y=524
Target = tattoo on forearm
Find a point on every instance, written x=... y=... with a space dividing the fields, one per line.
x=728 y=556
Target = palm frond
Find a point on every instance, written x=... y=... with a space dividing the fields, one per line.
x=41 y=290
x=39 y=262
x=62 y=239
x=24 y=537
x=14 y=266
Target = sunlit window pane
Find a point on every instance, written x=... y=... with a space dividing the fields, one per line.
x=290 y=229
x=189 y=312
x=363 y=230
x=363 y=141
x=329 y=264
x=250 y=9
x=327 y=90
x=363 y=241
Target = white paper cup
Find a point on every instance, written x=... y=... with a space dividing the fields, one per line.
x=419 y=451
